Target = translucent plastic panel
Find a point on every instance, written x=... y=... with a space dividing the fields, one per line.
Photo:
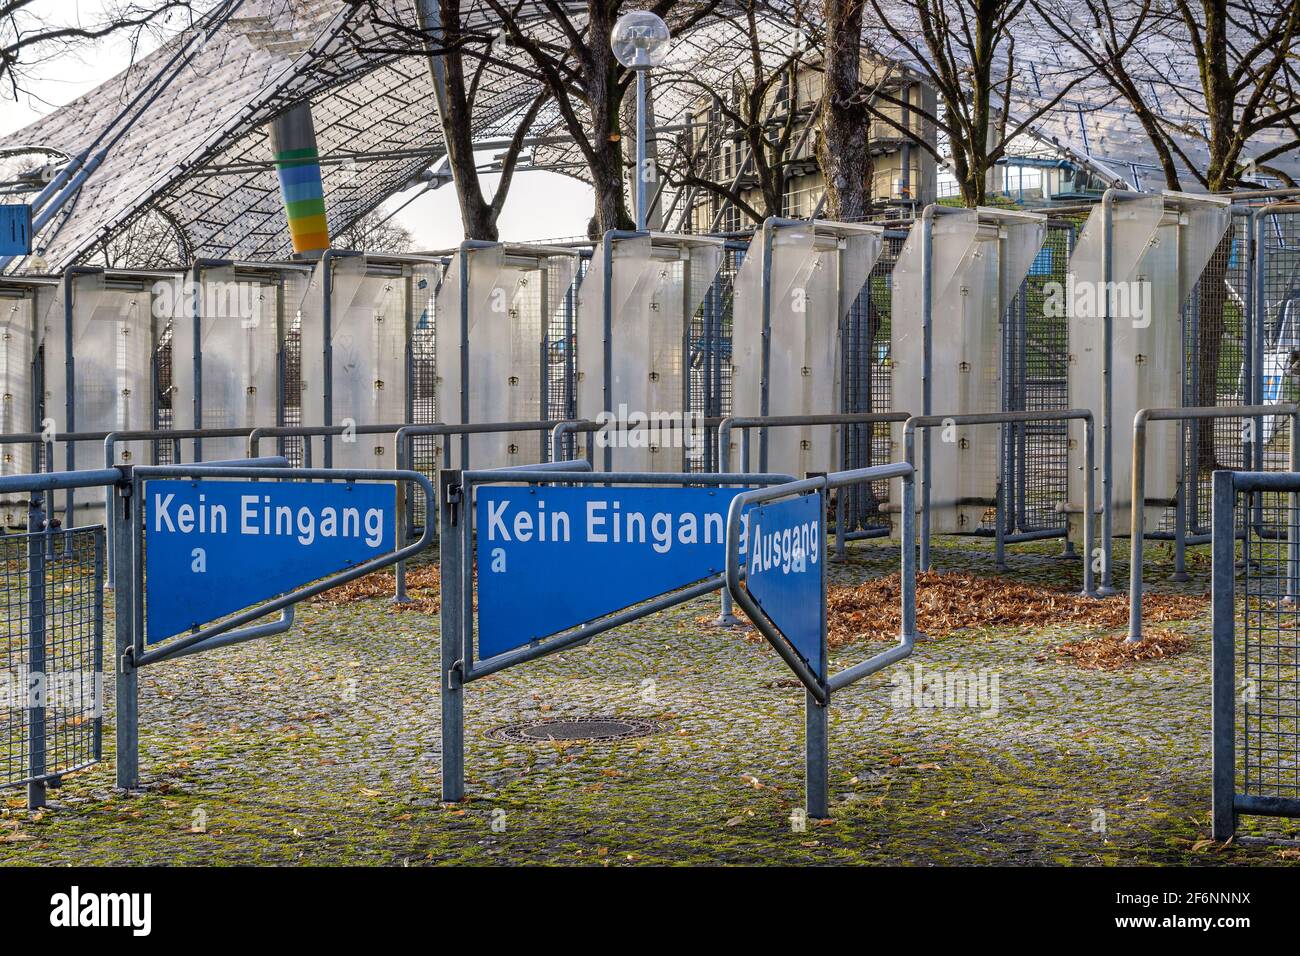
x=965 y=370
x=108 y=362
x=17 y=353
x=805 y=306
x=653 y=290
x=238 y=353
x=512 y=299
x=979 y=260
x=1147 y=365
x=368 y=344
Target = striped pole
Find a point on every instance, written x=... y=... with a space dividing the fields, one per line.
x=293 y=141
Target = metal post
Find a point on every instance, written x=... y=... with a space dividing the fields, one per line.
x=127 y=685
x=400 y=442
x=1293 y=518
x=640 y=149
x=453 y=609
x=1223 y=658
x=817 y=717
x=1137 y=527
x=817 y=757
x=1180 y=519
x=927 y=304
x=37 y=680
x=1107 y=430
x=1089 y=505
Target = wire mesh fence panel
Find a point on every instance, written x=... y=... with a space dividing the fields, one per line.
x=561 y=357
x=1036 y=353
x=1276 y=298
x=865 y=380
x=51 y=652
x=710 y=358
x=1215 y=325
x=1267 y=649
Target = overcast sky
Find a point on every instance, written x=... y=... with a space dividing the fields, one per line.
x=541 y=205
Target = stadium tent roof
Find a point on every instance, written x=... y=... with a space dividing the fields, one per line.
x=199 y=152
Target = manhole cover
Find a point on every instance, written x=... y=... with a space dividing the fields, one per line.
x=568 y=728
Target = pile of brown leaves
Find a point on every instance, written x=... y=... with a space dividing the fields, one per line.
x=1111 y=651
x=949 y=602
x=423 y=578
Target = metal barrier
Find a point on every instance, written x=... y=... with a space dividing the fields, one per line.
x=129 y=609
x=747 y=425
x=460 y=663
x=1138 y=531
x=1256 y=758
x=465 y=659
x=817 y=682
x=1001 y=537
x=52 y=650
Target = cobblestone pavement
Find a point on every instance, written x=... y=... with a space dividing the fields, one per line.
x=322 y=747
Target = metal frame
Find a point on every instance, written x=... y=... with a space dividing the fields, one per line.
x=456 y=555
x=540 y=254
x=1137 y=533
x=37 y=603
x=926 y=422
x=606 y=263
x=1228 y=802
x=1172 y=200
x=845 y=298
x=820 y=685
x=1005 y=292
x=128 y=550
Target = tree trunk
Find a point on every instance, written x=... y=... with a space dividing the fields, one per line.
x=604 y=100
x=454 y=109
x=842 y=149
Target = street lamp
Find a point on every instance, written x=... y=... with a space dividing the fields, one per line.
x=640 y=41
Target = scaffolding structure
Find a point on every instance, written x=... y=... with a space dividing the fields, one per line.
x=794 y=292
x=643 y=295
x=500 y=312
x=958 y=273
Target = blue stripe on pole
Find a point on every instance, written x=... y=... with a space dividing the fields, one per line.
x=298 y=175
x=295 y=192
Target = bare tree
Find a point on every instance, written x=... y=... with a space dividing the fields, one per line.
x=843 y=148
x=588 y=85
x=463 y=57
x=756 y=105
x=377 y=233
x=1243 y=51
x=966 y=50
x=1244 y=85
x=30 y=35
x=152 y=241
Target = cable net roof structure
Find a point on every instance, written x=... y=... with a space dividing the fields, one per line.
x=196 y=148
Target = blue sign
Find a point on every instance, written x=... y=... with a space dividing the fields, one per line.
x=783 y=571
x=552 y=558
x=216 y=547
x=15 y=230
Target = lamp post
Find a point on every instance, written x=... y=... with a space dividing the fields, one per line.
x=640 y=41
